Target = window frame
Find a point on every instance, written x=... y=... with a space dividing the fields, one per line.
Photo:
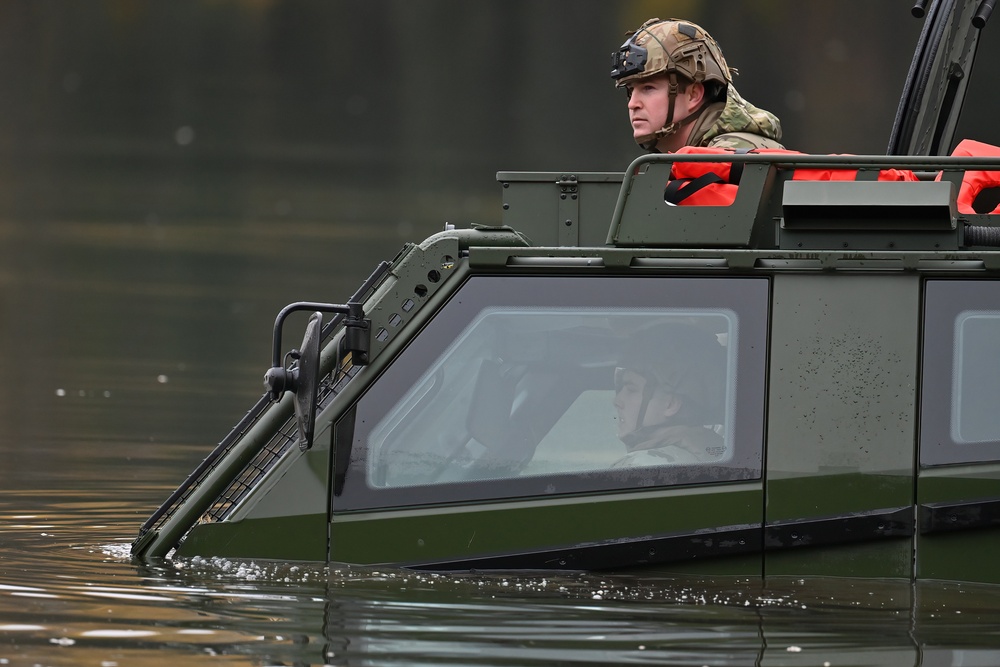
x=748 y=298
x=945 y=301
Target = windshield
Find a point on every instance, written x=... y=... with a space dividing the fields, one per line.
x=538 y=386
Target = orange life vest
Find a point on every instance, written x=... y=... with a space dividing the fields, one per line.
x=975 y=182
x=715 y=183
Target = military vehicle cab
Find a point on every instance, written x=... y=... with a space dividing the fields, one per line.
x=465 y=409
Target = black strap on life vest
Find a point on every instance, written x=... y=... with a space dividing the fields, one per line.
x=680 y=189
x=736 y=168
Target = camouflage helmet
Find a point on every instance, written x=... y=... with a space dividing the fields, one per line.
x=683 y=359
x=668 y=47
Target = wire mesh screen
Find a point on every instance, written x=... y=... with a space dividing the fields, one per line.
x=279 y=445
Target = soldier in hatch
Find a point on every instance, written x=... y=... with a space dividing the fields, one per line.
x=680 y=92
x=669 y=392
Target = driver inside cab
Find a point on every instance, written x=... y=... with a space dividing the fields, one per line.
x=669 y=396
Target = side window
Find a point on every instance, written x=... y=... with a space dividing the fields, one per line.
x=960 y=392
x=976 y=378
x=536 y=386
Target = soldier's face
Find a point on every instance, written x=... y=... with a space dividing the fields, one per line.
x=629 y=390
x=649 y=102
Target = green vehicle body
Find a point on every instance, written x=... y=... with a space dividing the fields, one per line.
x=861 y=401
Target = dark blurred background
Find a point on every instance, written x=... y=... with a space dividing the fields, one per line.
x=173 y=172
x=395 y=114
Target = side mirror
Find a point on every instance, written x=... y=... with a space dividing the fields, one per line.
x=303 y=378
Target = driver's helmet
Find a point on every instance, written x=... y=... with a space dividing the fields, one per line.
x=667 y=47
x=684 y=359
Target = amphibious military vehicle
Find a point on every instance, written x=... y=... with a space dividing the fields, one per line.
x=456 y=412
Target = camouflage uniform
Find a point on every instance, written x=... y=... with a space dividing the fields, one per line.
x=736 y=124
x=675 y=445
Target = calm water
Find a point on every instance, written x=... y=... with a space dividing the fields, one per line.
x=130 y=349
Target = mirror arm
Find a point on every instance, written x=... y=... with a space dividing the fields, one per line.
x=356 y=338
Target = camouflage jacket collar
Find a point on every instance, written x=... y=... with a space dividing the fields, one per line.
x=736 y=117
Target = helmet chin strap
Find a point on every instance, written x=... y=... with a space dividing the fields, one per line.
x=633 y=438
x=642 y=432
x=648 y=141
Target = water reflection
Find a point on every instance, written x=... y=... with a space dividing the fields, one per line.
x=70 y=595
x=366 y=616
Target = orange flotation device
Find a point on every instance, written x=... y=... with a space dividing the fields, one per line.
x=975 y=183
x=715 y=183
